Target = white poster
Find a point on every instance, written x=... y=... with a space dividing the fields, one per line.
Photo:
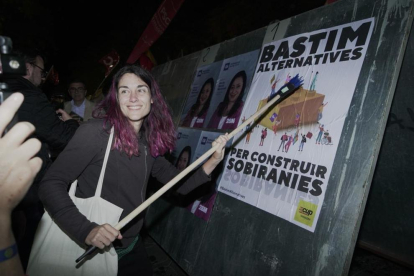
x=231 y=91
x=282 y=165
x=199 y=99
x=185 y=146
x=203 y=205
x=191 y=144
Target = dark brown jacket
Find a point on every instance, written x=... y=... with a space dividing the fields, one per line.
x=124 y=185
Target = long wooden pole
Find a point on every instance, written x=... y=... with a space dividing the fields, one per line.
x=181 y=175
x=177 y=178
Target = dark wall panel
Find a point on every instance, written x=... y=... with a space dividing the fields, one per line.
x=178 y=231
x=174 y=79
x=243 y=240
x=388 y=224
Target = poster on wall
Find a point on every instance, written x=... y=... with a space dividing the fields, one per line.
x=191 y=144
x=283 y=163
x=201 y=92
x=185 y=146
x=202 y=206
x=231 y=91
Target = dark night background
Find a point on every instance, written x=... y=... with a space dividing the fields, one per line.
x=74 y=35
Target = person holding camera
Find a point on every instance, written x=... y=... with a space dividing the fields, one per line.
x=53 y=132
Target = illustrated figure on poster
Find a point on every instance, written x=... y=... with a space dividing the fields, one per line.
x=264 y=135
x=296 y=137
x=273 y=89
x=318 y=139
x=288 y=78
x=297 y=120
x=289 y=142
x=184 y=158
x=249 y=130
x=283 y=139
x=320 y=110
x=228 y=112
x=276 y=125
x=273 y=117
x=313 y=84
x=327 y=139
x=197 y=113
x=302 y=142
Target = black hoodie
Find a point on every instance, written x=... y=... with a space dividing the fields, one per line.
x=52 y=132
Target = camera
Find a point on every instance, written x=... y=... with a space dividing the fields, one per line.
x=9 y=65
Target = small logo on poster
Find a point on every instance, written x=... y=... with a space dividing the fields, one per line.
x=305 y=213
x=204 y=140
x=179 y=135
x=230 y=120
x=203 y=209
x=226 y=66
x=199 y=73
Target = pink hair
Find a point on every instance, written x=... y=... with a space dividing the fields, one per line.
x=157 y=128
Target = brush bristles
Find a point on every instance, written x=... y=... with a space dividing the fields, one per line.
x=292 y=85
x=296 y=81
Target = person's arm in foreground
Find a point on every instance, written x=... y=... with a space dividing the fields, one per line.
x=18 y=169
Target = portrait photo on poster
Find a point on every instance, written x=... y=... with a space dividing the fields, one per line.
x=231 y=91
x=198 y=102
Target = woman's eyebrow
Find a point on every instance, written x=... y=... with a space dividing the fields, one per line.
x=138 y=86
x=142 y=85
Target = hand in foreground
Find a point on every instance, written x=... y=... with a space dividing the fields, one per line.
x=18 y=166
x=102 y=235
x=221 y=140
x=65 y=116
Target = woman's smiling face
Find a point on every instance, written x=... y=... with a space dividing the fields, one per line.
x=183 y=161
x=235 y=89
x=205 y=93
x=134 y=97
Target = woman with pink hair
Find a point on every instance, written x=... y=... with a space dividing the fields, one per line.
x=136 y=112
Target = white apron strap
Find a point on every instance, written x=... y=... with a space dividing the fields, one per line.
x=72 y=189
x=101 y=176
x=98 y=191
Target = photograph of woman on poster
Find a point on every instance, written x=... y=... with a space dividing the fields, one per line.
x=204 y=198
x=182 y=162
x=184 y=158
x=197 y=113
x=228 y=111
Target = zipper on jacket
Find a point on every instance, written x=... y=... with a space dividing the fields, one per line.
x=146 y=169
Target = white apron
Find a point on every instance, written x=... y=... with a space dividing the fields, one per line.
x=54 y=252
